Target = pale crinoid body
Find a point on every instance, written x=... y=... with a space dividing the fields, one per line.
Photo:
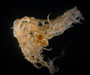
x=33 y=35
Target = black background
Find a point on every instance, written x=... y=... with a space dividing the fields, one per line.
x=72 y=47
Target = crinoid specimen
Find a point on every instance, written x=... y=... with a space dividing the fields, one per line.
x=33 y=35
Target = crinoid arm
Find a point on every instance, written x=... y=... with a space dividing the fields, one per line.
x=64 y=22
x=33 y=35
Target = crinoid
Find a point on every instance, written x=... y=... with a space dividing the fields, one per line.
x=33 y=35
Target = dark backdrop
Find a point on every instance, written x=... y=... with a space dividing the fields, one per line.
x=72 y=47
